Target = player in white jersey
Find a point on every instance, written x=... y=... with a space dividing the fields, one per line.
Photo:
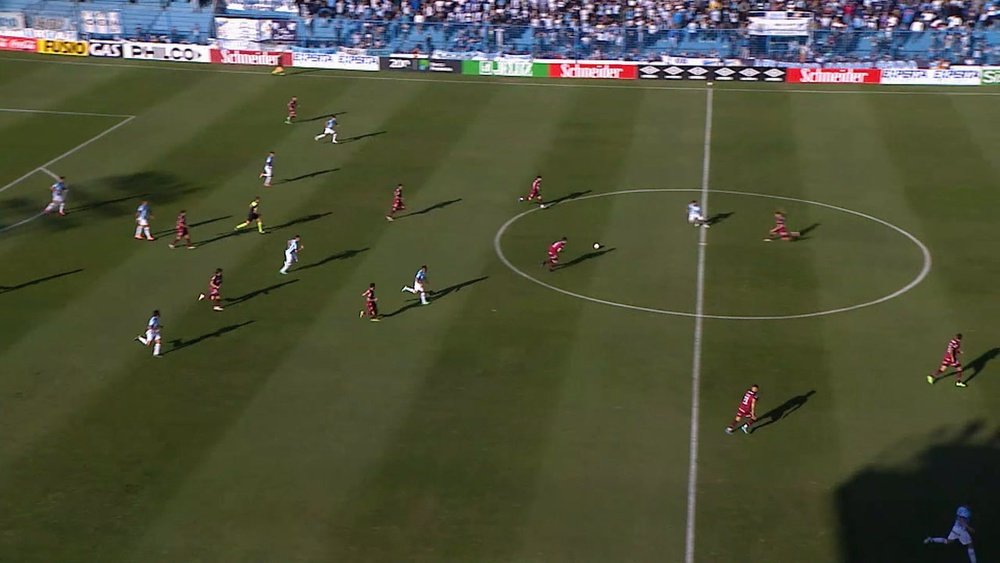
x=419 y=286
x=695 y=215
x=329 y=129
x=152 y=335
x=961 y=531
x=142 y=216
x=292 y=248
x=268 y=170
x=58 y=202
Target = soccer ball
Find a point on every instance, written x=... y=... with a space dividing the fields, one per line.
x=520 y=199
x=597 y=245
x=543 y=206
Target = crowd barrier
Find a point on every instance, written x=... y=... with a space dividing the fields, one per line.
x=672 y=69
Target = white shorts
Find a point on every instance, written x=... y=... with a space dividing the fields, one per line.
x=418 y=286
x=267 y=171
x=58 y=199
x=961 y=534
x=694 y=218
x=142 y=222
x=291 y=257
x=328 y=131
x=152 y=335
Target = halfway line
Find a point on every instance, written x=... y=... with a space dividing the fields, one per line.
x=699 y=309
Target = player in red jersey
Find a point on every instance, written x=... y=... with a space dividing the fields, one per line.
x=214 y=290
x=950 y=361
x=554 y=249
x=181 y=230
x=293 y=108
x=535 y=194
x=780 y=230
x=746 y=410
x=397 y=202
x=371 y=304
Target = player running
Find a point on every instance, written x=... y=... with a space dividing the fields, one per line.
x=293 y=108
x=397 y=202
x=152 y=335
x=961 y=531
x=58 y=202
x=214 y=290
x=268 y=170
x=419 y=285
x=142 y=216
x=292 y=248
x=780 y=230
x=253 y=216
x=535 y=194
x=328 y=129
x=371 y=304
x=553 y=258
x=746 y=410
x=695 y=215
x=181 y=231
x=949 y=361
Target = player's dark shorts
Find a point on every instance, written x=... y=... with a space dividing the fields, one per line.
x=743 y=414
x=949 y=362
x=252 y=216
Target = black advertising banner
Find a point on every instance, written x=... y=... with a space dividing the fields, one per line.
x=662 y=71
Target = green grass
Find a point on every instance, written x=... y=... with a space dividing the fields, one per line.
x=506 y=421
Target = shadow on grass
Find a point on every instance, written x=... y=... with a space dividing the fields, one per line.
x=718 y=218
x=305 y=176
x=567 y=197
x=438 y=295
x=180 y=344
x=584 y=257
x=231 y=301
x=320 y=117
x=360 y=137
x=804 y=233
x=783 y=410
x=979 y=364
x=300 y=220
x=8 y=289
x=165 y=232
x=333 y=257
x=434 y=207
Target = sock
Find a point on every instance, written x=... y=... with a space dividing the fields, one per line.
x=318 y=137
x=62 y=208
x=241 y=225
x=939 y=540
x=972 y=555
x=148 y=234
x=423 y=298
x=260 y=227
x=138 y=231
x=409 y=290
x=156 y=348
x=143 y=341
x=334 y=138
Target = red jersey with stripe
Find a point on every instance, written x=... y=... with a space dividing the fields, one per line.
x=779 y=220
x=292 y=106
x=536 y=186
x=748 y=401
x=556 y=247
x=954 y=349
x=369 y=295
x=181 y=225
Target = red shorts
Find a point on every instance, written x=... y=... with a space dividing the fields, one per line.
x=291 y=113
x=780 y=230
x=213 y=293
x=949 y=362
x=534 y=194
x=743 y=414
x=181 y=233
x=398 y=205
x=554 y=258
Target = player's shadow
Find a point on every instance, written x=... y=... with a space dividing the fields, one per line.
x=232 y=301
x=435 y=207
x=911 y=489
x=333 y=257
x=8 y=289
x=92 y=205
x=718 y=218
x=804 y=233
x=165 y=232
x=233 y=233
x=306 y=176
x=320 y=117
x=979 y=364
x=438 y=295
x=300 y=220
x=568 y=197
x=783 y=410
x=180 y=344
x=584 y=257
x=360 y=137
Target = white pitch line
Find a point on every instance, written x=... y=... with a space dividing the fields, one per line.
x=970 y=92
x=21 y=222
x=73 y=150
x=52 y=174
x=56 y=112
x=699 y=319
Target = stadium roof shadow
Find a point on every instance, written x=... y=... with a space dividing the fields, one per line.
x=886 y=510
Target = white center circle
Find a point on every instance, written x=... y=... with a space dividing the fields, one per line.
x=924 y=270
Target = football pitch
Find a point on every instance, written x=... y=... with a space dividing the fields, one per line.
x=524 y=415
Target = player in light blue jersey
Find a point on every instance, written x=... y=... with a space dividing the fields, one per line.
x=292 y=248
x=329 y=129
x=268 y=170
x=152 y=335
x=58 y=202
x=420 y=286
x=695 y=215
x=961 y=531
x=142 y=216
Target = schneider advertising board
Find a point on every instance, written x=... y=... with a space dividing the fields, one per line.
x=505 y=67
x=991 y=76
